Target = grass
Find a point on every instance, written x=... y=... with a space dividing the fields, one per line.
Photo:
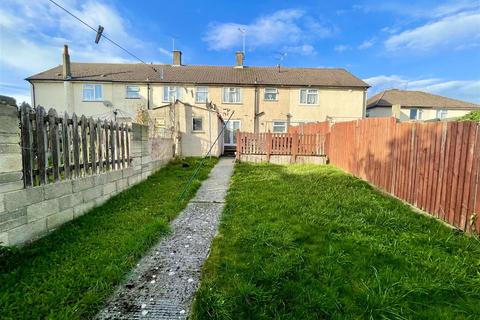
x=312 y=242
x=69 y=273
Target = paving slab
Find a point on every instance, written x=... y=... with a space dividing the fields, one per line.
x=163 y=284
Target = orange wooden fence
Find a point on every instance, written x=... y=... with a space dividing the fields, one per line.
x=293 y=144
x=434 y=166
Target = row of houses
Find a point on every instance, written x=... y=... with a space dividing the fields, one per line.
x=190 y=102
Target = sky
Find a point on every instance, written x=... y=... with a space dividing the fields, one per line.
x=432 y=46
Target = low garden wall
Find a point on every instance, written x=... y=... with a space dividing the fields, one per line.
x=29 y=213
x=282 y=159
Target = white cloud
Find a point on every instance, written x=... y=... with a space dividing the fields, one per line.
x=468 y=90
x=341 y=48
x=282 y=28
x=454 y=30
x=34 y=33
x=305 y=50
x=366 y=44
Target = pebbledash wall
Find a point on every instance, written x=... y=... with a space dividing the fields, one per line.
x=27 y=214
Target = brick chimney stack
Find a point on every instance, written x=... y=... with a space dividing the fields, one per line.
x=67 y=74
x=177 y=57
x=239 y=57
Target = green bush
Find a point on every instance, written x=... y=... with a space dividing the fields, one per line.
x=471 y=116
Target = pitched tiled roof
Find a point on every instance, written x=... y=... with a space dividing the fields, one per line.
x=206 y=75
x=407 y=98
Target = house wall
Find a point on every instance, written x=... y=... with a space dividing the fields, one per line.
x=342 y=104
x=192 y=143
x=428 y=113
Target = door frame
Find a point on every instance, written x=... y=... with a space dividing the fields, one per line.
x=232 y=133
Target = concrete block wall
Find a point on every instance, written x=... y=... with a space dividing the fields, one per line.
x=27 y=214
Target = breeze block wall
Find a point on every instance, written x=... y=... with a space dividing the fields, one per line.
x=29 y=213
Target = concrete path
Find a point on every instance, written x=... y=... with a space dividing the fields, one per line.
x=163 y=284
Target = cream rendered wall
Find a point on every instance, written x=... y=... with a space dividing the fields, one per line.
x=193 y=143
x=427 y=114
x=344 y=104
x=52 y=94
x=430 y=114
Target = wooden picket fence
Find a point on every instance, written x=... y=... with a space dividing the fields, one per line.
x=434 y=166
x=292 y=144
x=58 y=148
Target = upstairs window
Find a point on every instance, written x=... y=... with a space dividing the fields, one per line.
x=133 y=92
x=92 y=92
x=231 y=95
x=197 y=124
x=279 y=126
x=271 y=94
x=201 y=95
x=308 y=96
x=416 y=114
x=171 y=94
x=442 y=114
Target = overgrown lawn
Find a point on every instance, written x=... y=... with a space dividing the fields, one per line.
x=69 y=273
x=312 y=242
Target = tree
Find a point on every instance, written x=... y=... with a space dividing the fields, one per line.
x=471 y=116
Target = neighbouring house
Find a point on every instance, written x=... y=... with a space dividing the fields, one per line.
x=261 y=98
x=416 y=105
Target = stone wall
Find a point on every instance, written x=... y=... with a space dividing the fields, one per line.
x=283 y=159
x=27 y=214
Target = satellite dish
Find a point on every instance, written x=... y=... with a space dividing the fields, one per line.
x=107 y=104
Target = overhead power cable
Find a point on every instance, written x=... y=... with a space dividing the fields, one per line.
x=102 y=34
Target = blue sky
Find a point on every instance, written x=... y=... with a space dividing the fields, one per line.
x=423 y=45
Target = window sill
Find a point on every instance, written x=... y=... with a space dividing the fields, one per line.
x=198 y=131
x=236 y=103
x=270 y=100
x=131 y=98
x=198 y=102
x=309 y=104
x=93 y=100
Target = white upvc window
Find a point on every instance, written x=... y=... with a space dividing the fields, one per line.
x=171 y=93
x=197 y=124
x=442 y=114
x=279 y=126
x=201 y=94
x=92 y=92
x=308 y=96
x=416 y=114
x=232 y=95
x=271 y=94
x=133 y=92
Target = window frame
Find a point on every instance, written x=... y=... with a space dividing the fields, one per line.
x=265 y=94
x=197 y=91
x=93 y=87
x=418 y=114
x=127 y=91
x=441 y=111
x=275 y=124
x=307 y=93
x=239 y=95
x=193 y=123
x=169 y=90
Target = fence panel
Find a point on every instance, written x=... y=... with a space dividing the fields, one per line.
x=435 y=166
x=52 y=146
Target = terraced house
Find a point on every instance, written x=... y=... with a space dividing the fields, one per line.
x=261 y=98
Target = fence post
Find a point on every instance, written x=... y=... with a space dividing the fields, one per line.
x=10 y=152
x=294 y=150
x=269 y=145
x=238 y=137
